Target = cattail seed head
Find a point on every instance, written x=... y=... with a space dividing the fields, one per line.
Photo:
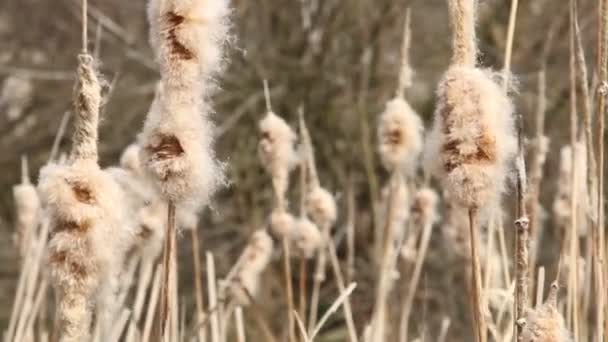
x=424 y=208
x=281 y=224
x=321 y=207
x=91 y=229
x=255 y=258
x=306 y=238
x=473 y=141
x=189 y=37
x=177 y=135
x=276 y=150
x=399 y=135
x=87 y=101
x=546 y=323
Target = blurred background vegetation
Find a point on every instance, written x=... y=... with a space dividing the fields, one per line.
x=337 y=58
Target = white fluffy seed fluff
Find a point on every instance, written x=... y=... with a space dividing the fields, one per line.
x=15 y=96
x=130 y=161
x=399 y=136
x=276 y=151
x=90 y=227
x=546 y=324
x=306 y=238
x=472 y=142
x=177 y=136
x=148 y=206
x=321 y=207
x=281 y=224
x=254 y=259
x=189 y=36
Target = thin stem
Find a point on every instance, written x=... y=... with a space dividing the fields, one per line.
x=198 y=286
x=319 y=277
x=60 y=132
x=478 y=309
x=348 y=314
x=85 y=38
x=289 y=289
x=573 y=288
x=405 y=71
x=267 y=97
x=602 y=69
x=509 y=46
x=303 y=290
x=168 y=256
x=409 y=299
x=350 y=233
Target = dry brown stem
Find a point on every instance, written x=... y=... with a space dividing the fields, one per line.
x=166 y=305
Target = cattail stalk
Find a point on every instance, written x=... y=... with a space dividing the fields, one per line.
x=540 y=281
x=85 y=39
x=478 y=311
x=408 y=301
x=602 y=91
x=240 y=326
x=573 y=307
x=405 y=73
x=169 y=255
x=198 y=286
x=538 y=158
x=350 y=232
x=153 y=301
x=213 y=301
x=383 y=287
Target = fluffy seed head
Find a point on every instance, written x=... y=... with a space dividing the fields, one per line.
x=276 y=150
x=177 y=150
x=255 y=259
x=424 y=208
x=282 y=223
x=399 y=135
x=473 y=142
x=90 y=225
x=189 y=37
x=306 y=238
x=546 y=323
x=321 y=207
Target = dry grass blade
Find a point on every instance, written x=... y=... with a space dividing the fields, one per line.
x=344 y=294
